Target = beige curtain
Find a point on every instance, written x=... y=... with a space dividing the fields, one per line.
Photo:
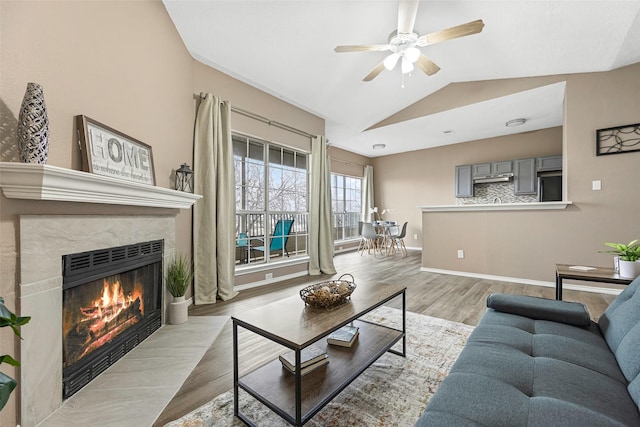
x=321 y=249
x=367 y=195
x=214 y=214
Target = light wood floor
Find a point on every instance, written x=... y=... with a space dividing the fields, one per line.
x=459 y=299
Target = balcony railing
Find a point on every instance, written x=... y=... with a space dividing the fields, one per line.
x=254 y=234
x=345 y=225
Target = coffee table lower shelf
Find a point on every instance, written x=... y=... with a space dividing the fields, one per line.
x=272 y=385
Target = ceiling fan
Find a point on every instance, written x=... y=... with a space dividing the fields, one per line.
x=404 y=43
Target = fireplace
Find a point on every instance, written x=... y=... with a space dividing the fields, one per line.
x=111 y=301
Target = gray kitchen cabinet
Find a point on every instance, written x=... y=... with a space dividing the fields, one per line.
x=502 y=167
x=464 y=181
x=481 y=169
x=525 y=177
x=549 y=163
x=484 y=169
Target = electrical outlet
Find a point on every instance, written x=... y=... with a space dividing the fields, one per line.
x=596 y=185
x=415 y=237
x=268 y=276
x=460 y=253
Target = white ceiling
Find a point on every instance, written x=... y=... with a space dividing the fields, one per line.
x=286 y=49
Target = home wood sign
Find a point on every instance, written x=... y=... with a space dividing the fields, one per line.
x=108 y=152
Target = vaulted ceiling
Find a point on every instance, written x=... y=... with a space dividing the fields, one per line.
x=286 y=48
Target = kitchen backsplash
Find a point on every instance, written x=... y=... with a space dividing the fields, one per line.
x=496 y=192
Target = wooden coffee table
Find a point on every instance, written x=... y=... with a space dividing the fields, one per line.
x=290 y=323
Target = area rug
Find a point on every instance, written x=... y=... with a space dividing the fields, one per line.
x=392 y=392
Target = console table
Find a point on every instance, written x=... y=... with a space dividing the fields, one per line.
x=290 y=323
x=591 y=274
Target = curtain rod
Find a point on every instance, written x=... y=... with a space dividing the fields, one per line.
x=345 y=161
x=266 y=120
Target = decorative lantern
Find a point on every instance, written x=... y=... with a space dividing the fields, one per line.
x=184 y=178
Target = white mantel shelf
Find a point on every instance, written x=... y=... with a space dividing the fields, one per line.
x=497 y=207
x=44 y=182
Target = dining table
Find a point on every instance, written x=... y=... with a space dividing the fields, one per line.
x=385 y=230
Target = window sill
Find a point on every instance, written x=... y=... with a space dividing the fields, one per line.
x=253 y=268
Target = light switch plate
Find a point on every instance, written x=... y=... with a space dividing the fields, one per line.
x=596 y=185
x=460 y=253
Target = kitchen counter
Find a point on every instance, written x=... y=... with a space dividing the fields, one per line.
x=496 y=207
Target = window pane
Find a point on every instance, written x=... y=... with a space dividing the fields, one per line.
x=301 y=161
x=239 y=148
x=346 y=199
x=275 y=156
x=288 y=158
x=266 y=193
x=256 y=151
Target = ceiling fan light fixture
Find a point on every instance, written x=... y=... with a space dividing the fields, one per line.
x=515 y=122
x=391 y=61
x=412 y=54
x=407 y=66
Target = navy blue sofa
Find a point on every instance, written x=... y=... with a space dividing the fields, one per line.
x=539 y=362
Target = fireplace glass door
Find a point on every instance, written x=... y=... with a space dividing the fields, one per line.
x=111 y=302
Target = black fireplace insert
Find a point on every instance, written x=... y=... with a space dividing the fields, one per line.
x=111 y=302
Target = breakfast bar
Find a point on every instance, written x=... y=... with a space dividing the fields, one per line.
x=495 y=207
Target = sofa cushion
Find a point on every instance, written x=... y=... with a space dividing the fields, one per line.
x=518 y=371
x=620 y=325
x=580 y=346
x=572 y=313
x=545 y=412
x=587 y=392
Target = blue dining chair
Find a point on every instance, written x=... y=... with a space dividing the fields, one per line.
x=279 y=237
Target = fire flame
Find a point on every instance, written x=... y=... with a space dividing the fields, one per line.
x=110 y=303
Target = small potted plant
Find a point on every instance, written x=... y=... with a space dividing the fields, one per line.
x=178 y=280
x=7 y=318
x=628 y=255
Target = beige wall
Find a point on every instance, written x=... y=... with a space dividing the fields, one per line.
x=527 y=244
x=347 y=163
x=462 y=94
x=403 y=182
x=243 y=96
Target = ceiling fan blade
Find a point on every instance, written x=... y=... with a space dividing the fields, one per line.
x=363 y=48
x=467 y=29
x=407 y=11
x=427 y=66
x=374 y=73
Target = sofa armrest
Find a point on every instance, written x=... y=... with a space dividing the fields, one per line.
x=571 y=313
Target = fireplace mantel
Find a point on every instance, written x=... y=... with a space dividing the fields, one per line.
x=45 y=182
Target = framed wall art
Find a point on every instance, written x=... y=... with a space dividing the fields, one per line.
x=108 y=152
x=618 y=140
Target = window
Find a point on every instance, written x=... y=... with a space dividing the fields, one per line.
x=271 y=197
x=346 y=203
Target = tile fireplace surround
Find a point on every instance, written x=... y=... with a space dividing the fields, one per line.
x=44 y=239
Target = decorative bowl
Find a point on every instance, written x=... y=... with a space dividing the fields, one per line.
x=328 y=294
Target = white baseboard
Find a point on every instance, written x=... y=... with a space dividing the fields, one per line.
x=269 y=281
x=565 y=286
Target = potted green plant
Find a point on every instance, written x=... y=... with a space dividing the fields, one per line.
x=629 y=256
x=7 y=318
x=178 y=280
